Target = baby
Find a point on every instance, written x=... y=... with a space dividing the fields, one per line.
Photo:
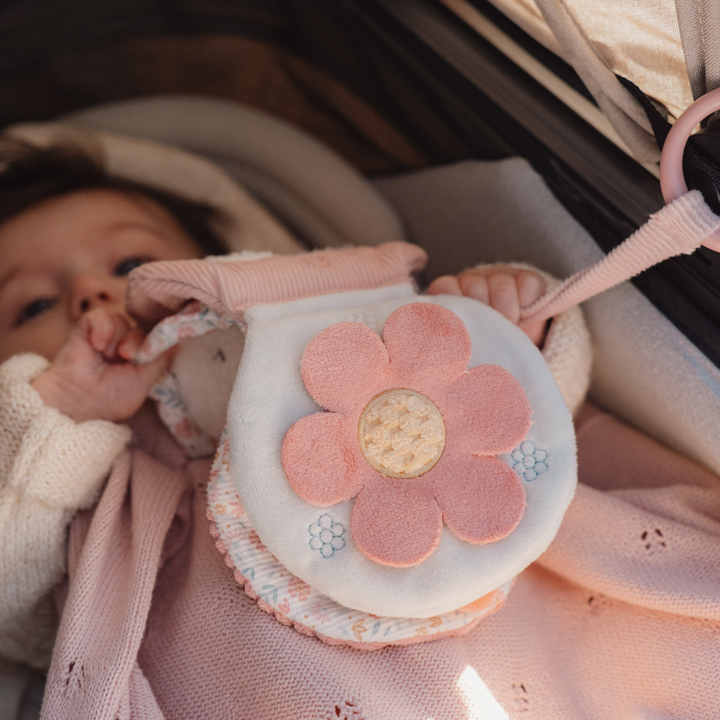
x=69 y=237
x=154 y=623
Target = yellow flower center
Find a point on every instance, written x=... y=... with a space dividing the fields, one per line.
x=401 y=433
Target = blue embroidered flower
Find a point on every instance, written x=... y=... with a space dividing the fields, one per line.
x=326 y=536
x=528 y=462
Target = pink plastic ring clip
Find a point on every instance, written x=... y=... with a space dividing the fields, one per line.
x=672 y=181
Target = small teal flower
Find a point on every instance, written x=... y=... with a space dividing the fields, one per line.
x=326 y=536
x=528 y=462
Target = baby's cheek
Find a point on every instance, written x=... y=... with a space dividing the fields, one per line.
x=43 y=335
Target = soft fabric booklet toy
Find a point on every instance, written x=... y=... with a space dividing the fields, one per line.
x=391 y=461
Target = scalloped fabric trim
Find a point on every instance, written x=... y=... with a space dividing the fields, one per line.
x=193 y=320
x=292 y=601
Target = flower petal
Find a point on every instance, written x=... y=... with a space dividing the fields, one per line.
x=481 y=498
x=343 y=365
x=486 y=411
x=426 y=342
x=318 y=462
x=396 y=522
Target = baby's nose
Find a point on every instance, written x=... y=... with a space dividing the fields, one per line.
x=92 y=290
x=87 y=303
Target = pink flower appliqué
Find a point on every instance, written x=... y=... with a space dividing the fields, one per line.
x=410 y=433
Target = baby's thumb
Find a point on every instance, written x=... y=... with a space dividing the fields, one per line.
x=154 y=370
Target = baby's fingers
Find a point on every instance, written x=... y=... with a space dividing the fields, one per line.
x=129 y=345
x=530 y=287
x=444 y=285
x=105 y=331
x=504 y=296
x=151 y=372
x=97 y=328
x=507 y=290
x=125 y=386
x=475 y=285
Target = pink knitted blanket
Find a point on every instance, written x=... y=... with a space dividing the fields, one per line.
x=620 y=618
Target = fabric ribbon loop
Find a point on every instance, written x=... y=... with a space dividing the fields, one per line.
x=679 y=228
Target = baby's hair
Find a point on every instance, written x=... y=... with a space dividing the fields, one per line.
x=30 y=175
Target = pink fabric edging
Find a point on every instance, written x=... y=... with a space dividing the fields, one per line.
x=304 y=630
x=679 y=228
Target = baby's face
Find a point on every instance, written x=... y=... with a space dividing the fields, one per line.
x=71 y=254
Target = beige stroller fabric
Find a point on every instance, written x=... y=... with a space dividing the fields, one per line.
x=641 y=41
x=614 y=100
x=699 y=22
x=247 y=226
x=311 y=189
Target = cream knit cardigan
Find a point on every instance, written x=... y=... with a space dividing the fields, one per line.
x=50 y=467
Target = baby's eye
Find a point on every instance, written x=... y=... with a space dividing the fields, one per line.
x=126 y=266
x=35 y=308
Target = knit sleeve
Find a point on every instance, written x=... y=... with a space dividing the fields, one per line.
x=50 y=467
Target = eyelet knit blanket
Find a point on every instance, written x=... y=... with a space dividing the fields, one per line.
x=620 y=618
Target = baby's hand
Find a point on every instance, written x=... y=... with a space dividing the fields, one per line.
x=93 y=376
x=503 y=288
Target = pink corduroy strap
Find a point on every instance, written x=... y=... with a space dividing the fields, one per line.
x=679 y=228
x=160 y=289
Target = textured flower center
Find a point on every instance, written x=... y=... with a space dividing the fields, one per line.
x=401 y=433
